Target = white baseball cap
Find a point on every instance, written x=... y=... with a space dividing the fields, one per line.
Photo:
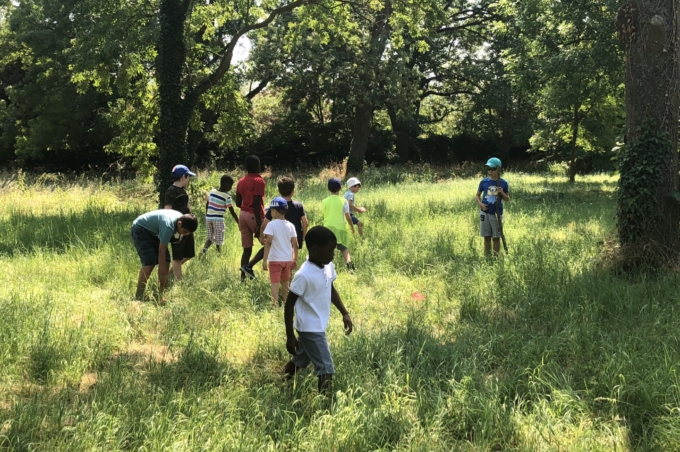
x=352 y=181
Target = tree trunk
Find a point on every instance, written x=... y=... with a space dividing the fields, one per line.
x=647 y=213
x=363 y=112
x=362 y=129
x=174 y=111
x=405 y=133
x=574 y=137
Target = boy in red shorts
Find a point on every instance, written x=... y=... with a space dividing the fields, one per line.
x=280 y=249
x=249 y=196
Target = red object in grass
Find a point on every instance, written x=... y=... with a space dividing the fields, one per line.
x=417 y=296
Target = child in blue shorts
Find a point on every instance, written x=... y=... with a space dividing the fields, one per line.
x=151 y=234
x=354 y=186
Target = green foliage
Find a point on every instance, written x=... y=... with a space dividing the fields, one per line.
x=641 y=166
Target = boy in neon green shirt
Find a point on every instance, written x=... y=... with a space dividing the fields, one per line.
x=335 y=215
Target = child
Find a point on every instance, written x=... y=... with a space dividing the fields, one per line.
x=310 y=298
x=295 y=214
x=280 y=249
x=335 y=212
x=176 y=198
x=249 y=196
x=493 y=191
x=354 y=186
x=218 y=201
x=151 y=234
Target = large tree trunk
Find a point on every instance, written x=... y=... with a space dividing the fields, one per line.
x=362 y=130
x=647 y=211
x=174 y=113
x=405 y=131
x=363 y=112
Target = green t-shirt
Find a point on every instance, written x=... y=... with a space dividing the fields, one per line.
x=160 y=222
x=334 y=217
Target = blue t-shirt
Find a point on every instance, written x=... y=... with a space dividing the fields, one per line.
x=488 y=188
x=159 y=222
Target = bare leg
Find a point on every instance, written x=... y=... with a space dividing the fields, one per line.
x=496 y=247
x=360 y=226
x=290 y=369
x=219 y=248
x=487 y=246
x=207 y=244
x=144 y=274
x=345 y=254
x=275 y=294
x=325 y=384
x=285 y=288
x=245 y=257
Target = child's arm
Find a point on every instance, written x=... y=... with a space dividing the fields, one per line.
x=354 y=208
x=479 y=201
x=337 y=302
x=288 y=313
x=501 y=192
x=294 y=242
x=163 y=266
x=305 y=226
x=233 y=214
x=267 y=247
x=265 y=222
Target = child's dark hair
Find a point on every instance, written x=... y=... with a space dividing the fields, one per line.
x=319 y=236
x=189 y=222
x=253 y=164
x=226 y=182
x=286 y=186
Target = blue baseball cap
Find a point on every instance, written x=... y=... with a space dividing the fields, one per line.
x=334 y=184
x=181 y=170
x=279 y=203
x=494 y=162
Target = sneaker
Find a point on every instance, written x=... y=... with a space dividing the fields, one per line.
x=248 y=271
x=350 y=266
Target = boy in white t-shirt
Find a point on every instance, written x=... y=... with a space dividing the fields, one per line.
x=310 y=298
x=280 y=249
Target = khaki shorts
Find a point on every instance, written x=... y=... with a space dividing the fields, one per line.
x=488 y=225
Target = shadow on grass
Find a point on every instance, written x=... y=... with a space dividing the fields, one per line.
x=25 y=233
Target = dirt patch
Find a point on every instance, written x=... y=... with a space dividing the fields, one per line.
x=145 y=352
x=87 y=381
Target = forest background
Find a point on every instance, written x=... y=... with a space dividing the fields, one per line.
x=379 y=82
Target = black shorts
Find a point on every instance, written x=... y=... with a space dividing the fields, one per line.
x=184 y=249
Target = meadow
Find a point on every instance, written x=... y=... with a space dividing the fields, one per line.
x=545 y=349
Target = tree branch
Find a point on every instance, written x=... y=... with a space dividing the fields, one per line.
x=258 y=88
x=225 y=64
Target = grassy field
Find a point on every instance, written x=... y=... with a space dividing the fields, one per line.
x=542 y=350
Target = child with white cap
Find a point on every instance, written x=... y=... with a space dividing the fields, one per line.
x=354 y=185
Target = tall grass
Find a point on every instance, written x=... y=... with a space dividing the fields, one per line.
x=540 y=350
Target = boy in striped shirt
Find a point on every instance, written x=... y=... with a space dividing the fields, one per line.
x=218 y=202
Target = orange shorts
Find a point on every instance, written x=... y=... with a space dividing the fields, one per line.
x=247 y=226
x=280 y=271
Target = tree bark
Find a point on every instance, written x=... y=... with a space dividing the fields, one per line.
x=174 y=117
x=362 y=129
x=363 y=112
x=647 y=212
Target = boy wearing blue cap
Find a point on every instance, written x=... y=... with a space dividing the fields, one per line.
x=177 y=198
x=490 y=195
x=280 y=249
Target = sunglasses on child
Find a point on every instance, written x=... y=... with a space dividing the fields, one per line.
x=491 y=168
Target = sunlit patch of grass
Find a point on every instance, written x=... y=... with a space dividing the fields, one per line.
x=539 y=350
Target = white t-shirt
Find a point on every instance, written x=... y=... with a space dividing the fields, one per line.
x=281 y=231
x=313 y=285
